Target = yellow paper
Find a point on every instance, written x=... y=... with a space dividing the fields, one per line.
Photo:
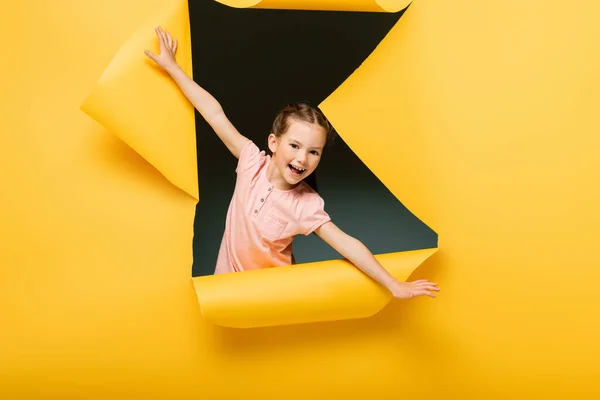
x=324 y=5
x=315 y=292
x=138 y=102
x=481 y=118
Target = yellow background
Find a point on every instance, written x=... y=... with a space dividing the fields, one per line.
x=484 y=118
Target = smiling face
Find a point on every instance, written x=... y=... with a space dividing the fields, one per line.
x=296 y=153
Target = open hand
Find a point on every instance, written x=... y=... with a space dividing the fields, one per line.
x=166 y=58
x=408 y=290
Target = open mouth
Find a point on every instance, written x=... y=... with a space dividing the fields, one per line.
x=296 y=171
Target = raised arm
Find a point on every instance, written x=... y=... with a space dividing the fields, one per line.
x=204 y=102
x=358 y=254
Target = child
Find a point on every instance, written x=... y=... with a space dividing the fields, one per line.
x=271 y=202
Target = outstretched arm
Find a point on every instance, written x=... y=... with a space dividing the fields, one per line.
x=358 y=254
x=204 y=102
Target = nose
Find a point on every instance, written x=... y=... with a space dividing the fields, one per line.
x=301 y=157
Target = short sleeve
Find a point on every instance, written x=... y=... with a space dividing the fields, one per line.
x=249 y=157
x=313 y=214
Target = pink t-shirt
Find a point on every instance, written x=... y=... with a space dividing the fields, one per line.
x=262 y=220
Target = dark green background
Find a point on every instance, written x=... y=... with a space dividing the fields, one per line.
x=256 y=61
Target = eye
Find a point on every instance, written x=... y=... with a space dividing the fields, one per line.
x=314 y=152
x=295 y=146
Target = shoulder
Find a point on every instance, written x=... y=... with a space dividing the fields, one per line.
x=311 y=208
x=250 y=156
x=307 y=196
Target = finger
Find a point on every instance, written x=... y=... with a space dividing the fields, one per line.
x=150 y=54
x=417 y=293
x=162 y=40
x=425 y=293
x=175 y=46
x=429 y=287
x=169 y=40
x=426 y=284
x=159 y=37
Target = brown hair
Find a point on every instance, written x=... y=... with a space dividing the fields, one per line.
x=302 y=112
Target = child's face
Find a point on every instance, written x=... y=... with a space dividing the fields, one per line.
x=297 y=152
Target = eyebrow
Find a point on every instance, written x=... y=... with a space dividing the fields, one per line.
x=313 y=148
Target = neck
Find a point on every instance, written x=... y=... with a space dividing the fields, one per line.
x=274 y=176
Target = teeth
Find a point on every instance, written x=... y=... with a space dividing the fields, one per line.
x=299 y=169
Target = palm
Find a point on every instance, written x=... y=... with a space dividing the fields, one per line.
x=168 y=48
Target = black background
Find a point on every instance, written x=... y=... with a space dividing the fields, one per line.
x=256 y=61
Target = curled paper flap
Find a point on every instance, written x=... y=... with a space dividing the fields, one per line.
x=325 y=5
x=315 y=292
x=140 y=103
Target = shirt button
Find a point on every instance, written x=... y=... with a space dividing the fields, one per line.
x=255 y=211
x=269 y=189
x=261 y=200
